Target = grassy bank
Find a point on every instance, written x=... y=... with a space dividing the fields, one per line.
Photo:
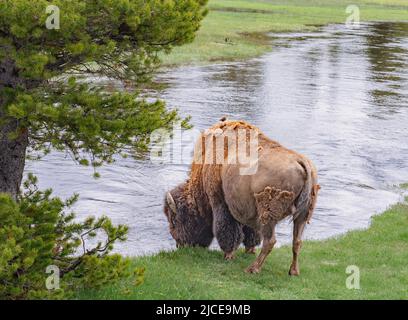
x=235 y=29
x=381 y=253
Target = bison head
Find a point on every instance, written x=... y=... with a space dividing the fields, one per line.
x=187 y=226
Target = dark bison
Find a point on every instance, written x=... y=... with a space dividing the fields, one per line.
x=221 y=199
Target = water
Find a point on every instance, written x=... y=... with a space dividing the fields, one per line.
x=339 y=96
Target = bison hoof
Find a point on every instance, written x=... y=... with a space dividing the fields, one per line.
x=253 y=269
x=250 y=250
x=229 y=256
x=294 y=272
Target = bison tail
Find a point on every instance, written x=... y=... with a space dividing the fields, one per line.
x=306 y=200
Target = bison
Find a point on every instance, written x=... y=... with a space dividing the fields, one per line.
x=220 y=199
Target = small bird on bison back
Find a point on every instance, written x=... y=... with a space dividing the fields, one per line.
x=235 y=206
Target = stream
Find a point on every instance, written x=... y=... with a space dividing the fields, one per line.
x=340 y=96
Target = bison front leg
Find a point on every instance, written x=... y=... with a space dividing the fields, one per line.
x=228 y=231
x=252 y=239
x=298 y=227
x=269 y=240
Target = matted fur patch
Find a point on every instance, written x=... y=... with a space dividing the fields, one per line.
x=273 y=204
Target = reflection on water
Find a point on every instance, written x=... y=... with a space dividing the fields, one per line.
x=387 y=58
x=339 y=96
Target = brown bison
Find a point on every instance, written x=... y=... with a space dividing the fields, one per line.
x=221 y=199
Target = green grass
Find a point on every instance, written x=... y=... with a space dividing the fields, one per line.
x=381 y=253
x=235 y=29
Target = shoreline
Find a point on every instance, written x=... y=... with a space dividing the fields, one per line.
x=379 y=252
x=403 y=191
x=238 y=30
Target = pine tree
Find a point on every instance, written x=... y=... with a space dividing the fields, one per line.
x=45 y=103
x=48 y=52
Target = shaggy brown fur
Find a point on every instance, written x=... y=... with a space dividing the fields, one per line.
x=218 y=200
x=273 y=204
